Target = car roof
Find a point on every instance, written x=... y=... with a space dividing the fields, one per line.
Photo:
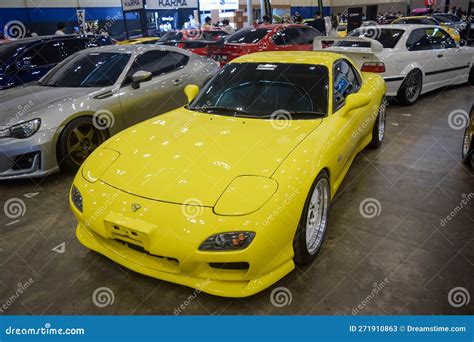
x=406 y=27
x=135 y=49
x=30 y=40
x=302 y=57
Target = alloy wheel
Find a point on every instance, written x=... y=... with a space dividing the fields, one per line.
x=316 y=221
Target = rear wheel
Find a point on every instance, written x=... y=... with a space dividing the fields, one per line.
x=378 y=132
x=410 y=90
x=77 y=141
x=314 y=221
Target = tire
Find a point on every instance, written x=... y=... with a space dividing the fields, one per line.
x=468 y=149
x=306 y=250
x=378 y=132
x=411 y=87
x=471 y=76
x=77 y=141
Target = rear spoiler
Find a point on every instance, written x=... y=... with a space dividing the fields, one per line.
x=375 y=46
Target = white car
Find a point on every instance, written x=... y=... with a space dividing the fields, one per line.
x=413 y=59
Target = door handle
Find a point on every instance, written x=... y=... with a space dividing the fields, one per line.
x=177 y=82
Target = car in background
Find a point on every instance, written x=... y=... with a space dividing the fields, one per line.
x=196 y=199
x=427 y=20
x=60 y=120
x=139 y=40
x=28 y=59
x=342 y=29
x=468 y=141
x=194 y=40
x=275 y=37
x=387 y=19
x=412 y=59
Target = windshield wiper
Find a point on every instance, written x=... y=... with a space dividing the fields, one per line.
x=208 y=109
x=306 y=113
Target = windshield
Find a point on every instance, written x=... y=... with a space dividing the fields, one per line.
x=261 y=90
x=387 y=37
x=418 y=21
x=171 y=35
x=248 y=36
x=88 y=70
x=448 y=18
x=7 y=51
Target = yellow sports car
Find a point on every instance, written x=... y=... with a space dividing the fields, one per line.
x=426 y=20
x=141 y=40
x=226 y=194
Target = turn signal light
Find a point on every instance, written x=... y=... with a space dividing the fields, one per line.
x=377 y=67
x=227 y=241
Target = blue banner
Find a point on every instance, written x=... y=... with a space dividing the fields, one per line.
x=238 y=328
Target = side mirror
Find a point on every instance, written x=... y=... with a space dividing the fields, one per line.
x=355 y=101
x=139 y=77
x=191 y=91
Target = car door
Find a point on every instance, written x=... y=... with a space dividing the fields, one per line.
x=452 y=65
x=346 y=81
x=421 y=53
x=162 y=93
x=37 y=61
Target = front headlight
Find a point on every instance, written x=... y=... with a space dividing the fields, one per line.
x=76 y=198
x=227 y=241
x=21 y=131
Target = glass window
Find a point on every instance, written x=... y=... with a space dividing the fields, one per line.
x=248 y=36
x=387 y=37
x=157 y=62
x=171 y=35
x=289 y=36
x=88 y=70
x=42 y=54
x=346 y=81
x=309 y=34
x=74 y=45
x=260 y=90
x=440 y=39
x=418 y=41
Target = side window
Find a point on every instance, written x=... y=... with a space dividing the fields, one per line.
x=440 y=39
x=42 y=54
x=418 y=41
x=289 y=36
x=309 y=34
x=157 y=62
x=346 y=81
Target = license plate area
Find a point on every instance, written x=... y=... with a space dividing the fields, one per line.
x=128 y=235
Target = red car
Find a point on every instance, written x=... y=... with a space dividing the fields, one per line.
x=276 y=37
x=194 y=40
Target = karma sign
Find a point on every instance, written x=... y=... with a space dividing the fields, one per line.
x=132 y=5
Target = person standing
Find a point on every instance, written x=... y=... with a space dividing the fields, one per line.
x=226 y=27
x=60 y=30
x=319 y=23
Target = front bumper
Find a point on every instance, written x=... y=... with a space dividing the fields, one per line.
x=159 y=241
x=28 y=158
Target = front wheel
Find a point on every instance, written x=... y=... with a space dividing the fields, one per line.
x=314 y=221
x=410 y=90
x=468 y=149
x=77 y=141
x=378 y=132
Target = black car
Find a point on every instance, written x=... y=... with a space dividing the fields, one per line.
x=26 y=60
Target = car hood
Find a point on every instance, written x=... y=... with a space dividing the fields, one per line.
x=29 y=102
x=185 y=156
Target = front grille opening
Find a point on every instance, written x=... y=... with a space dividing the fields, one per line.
x=24 y=161
x=230 y=265
x=142 y=250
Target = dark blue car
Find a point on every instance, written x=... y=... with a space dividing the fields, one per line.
x=26 y=60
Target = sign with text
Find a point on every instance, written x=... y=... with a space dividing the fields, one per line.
x=132 y=5
x=209 y=5
x=171 y=4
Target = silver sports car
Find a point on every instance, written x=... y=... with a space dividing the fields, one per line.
x=89 y=97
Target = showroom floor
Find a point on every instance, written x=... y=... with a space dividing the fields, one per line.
x=404 y=260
